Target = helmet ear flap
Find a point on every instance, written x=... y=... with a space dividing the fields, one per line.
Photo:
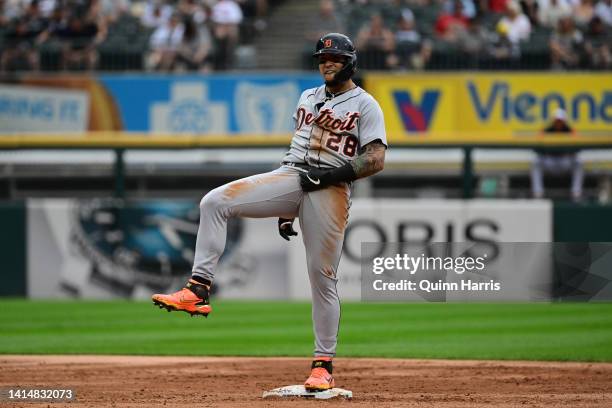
x=348 y=70
x=340 y=44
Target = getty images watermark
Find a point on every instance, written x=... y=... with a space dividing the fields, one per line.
x=411 y=265
x=486 y=271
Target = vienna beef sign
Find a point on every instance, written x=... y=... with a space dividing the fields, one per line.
x=503 y=103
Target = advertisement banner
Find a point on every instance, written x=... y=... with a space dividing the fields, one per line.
x=416 y=104
x=495 y=104
x=215 y=104
x=485 y=222
x=111 y=249
x=449 y=250
x=33 y=108
x=169 y=104
x=50 y=104
x=419 y=109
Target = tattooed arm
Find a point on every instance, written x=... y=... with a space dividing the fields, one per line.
x=371 y=160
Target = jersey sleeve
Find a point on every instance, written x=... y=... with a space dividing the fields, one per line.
x=371 y=123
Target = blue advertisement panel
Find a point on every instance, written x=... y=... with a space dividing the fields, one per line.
x=215 y=104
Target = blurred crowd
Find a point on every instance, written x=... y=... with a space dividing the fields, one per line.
x=473 y=34
x=202 y=35
x=175 y=35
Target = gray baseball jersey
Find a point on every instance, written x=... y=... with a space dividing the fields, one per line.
x=329 y=132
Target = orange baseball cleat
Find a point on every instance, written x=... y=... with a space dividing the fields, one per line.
x=193 y=299
x=320 y=377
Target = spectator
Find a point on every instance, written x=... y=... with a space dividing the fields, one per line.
x=108 y=11
x=502 y=48
x=11 y=10
x=325 y=22
x=80 y=35
x=76 y=7
x=56 y=21
x=557 y=161
x=192 y=10
x=406 y=33
x=515 y=25
x=226 y=17
x=47 y=7
x=165 y=42
x=255 y=10
x=495 y=6
x=419 y=3
x=36 y=22
x=19 y=48
x=603 y=10
x=356 y=13
x=476 y=40
x=468 y=8
x=530 y=9
x=513 y=28
x=450 y=25
x=156 y=14
x=565 y=45
x=4 y=19
x=195 y=48
x=411 y=50
x=551 y=11
x=375 y=43
x=598 y=45
x=583 y=13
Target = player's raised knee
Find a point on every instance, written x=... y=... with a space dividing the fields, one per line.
x=213 y=201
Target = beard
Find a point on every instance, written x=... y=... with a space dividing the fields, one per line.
x=339 y=78
x=333 y=82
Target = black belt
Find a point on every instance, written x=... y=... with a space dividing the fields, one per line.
x=302 y=166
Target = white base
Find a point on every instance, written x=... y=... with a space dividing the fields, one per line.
x=300 y=391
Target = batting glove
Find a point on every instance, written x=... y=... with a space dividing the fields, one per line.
x=285 y=228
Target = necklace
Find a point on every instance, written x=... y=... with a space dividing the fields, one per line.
x=329 y=95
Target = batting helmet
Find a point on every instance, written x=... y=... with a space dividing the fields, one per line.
x=339 y=44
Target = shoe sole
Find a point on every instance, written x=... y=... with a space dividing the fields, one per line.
x=315 y=389
x=170 y=307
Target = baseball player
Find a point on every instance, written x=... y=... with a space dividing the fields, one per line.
x=557 y=161
x=339 y=137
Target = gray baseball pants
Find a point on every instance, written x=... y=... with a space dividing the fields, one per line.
x=323 y=215
x=556 y=164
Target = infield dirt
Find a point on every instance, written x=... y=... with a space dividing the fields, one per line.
x=129 y=381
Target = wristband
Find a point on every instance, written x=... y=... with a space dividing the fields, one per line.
x=345 y=173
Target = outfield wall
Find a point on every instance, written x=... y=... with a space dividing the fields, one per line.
x=109 y=249
x=487 y=222
x=13 y=248
x=453 y=107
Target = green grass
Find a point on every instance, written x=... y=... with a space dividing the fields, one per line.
x=561 y=331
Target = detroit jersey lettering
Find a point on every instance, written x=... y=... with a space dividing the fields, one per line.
x=330 y=130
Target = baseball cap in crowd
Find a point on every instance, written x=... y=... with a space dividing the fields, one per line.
x=560 y=114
